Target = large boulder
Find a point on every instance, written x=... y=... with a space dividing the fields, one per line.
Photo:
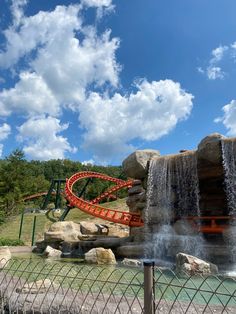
x=87 y=227
x=135 y=165
x=100 y=256
x=63 y=231
x=209 y=149
x=131 y=262
x=118 y=230
x=51 y=252
x=5 y=256
x=191 y=265
x=131 y=250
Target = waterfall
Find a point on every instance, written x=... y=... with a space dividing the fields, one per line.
x=172 y=192
x=159 y=191
x=187 y=188
x=229 y=165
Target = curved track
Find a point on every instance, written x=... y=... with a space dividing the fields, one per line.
x=125 y=218
x=33 y=196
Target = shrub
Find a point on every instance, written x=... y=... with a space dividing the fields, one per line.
x=11 y=242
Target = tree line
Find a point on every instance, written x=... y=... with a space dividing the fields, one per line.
x=20 y=178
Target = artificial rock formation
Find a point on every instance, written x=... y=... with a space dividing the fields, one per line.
x=191 y=265
x=131 y=262
x=51 y=252
x=135 y=165
x=100 y=256
x=88 y=227
x=63 y=231
x=196 y=182
x=5 y=256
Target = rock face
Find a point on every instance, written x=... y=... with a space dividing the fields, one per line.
x=209 y=148
x=63 y=231
x=132 y=250
x=87 y=227
x=131 y=262
x=100 y=256
x=135 y=165
x=5 y=256
x=36 y=287
x=191 y=265
x=50 y=252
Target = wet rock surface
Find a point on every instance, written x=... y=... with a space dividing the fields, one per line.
x=135 y=165
x=191 y=265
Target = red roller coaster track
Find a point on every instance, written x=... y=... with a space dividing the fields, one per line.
x=202 y=224
x=125 y=218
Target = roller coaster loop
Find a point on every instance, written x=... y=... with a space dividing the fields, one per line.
x=125 y=218
x=92 y=207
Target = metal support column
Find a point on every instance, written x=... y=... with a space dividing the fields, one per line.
x=149 y=302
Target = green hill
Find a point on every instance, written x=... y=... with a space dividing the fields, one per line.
x=10 y=229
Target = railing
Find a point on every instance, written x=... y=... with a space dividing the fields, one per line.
x=46 y=286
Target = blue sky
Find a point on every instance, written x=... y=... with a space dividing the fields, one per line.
x=93 y=80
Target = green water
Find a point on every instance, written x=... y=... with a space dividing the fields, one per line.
x=213 y=290
x=72 y=273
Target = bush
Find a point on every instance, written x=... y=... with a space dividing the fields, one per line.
x=2 y=217
x=11 y=242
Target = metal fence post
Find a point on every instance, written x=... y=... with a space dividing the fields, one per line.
x=21 y=223
x=149 y=307
x=33 y=231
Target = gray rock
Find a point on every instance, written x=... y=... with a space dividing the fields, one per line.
x=63 y=231
x=138 y=234
x=191 y=265
x=137 y=189
x=5 y=256
x=131 y=250
x=135 y=165
x=209 y=148
x=91 y=228
x=100 y=256
x=131 y=262
x=51 y=252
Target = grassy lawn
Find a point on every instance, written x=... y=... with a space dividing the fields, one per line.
x=10 y=229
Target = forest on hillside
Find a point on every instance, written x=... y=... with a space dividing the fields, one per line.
x=20 y=178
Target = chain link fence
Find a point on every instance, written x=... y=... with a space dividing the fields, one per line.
x=46 y=286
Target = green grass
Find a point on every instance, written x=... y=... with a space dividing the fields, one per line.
x=10 y=229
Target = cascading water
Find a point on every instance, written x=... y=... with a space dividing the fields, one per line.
x=172 y=192
x=187 y=188
x=229 y=165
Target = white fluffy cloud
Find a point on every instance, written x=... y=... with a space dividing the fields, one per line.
x=97 y=3
x=153 y=111
x=42 y=139
x=5 y=131
x=69 y=66
x=30 y=96
x=17 y=11
x=229 y=118
x=218 y=55
x=214 y=73
x=64 y=65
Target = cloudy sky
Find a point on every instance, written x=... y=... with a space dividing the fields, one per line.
x=93 y=80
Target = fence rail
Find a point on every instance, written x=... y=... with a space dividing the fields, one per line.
x=46 y=286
